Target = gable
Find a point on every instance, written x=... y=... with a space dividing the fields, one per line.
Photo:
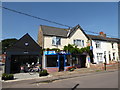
x=78 y=34
x=60 y=32
x=25 y=43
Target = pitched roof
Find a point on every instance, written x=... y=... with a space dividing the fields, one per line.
x=54 y=31
x=21 y=47
x=61 y=32
x=94 y=37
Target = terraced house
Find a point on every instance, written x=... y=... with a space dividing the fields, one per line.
x=53 y=37
x=105 y=49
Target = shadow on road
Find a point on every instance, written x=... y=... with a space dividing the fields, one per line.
x=75 y=87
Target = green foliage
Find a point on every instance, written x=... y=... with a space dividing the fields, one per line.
x=6 y=43
x=48 y=49
x=73 y=49
x=43 y=73
x=55 y=49
x=7 y=76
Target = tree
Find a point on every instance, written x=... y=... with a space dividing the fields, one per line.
x=6 y=43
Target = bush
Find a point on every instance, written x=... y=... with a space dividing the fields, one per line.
x=6 y=76
x=43 y=73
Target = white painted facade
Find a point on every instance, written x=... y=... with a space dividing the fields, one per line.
x=105 y=48
x=79 y=35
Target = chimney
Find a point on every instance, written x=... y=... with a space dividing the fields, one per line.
x=102 y=34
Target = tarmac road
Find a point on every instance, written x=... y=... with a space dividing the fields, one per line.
x=101 y=80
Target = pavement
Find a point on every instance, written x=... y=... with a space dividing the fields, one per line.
x=62 y=75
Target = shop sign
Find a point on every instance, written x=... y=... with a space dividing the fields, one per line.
x=62 y=52
x=91 y=47
x=49 y=52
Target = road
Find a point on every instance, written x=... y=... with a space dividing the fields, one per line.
x=101 y=80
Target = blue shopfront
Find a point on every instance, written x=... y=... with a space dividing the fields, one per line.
x=54 y=61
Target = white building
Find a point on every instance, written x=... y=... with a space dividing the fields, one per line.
x=104 y=49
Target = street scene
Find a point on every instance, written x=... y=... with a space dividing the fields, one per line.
x=40 y=52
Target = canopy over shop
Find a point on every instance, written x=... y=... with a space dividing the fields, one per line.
x=24 y=51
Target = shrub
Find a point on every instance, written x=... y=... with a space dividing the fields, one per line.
x=6 y=76
x=43 y=73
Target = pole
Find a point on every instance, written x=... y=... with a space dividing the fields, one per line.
x=105 y=63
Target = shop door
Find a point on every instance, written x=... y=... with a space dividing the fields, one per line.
x=83 y=61
x=61 y=63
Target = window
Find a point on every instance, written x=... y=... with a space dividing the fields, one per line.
x=56 y=41
x=52 y=61
x=26 y=44
x=97 y=44
x=0 y=57
x=79 y=42
x=67 y=60
x=99 y=57
x=109 y=55
x=114 y=56
x=82 y=42
x=112 y=45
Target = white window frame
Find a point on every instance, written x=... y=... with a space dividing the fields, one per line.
x=78 y=42
x=113 y=55
x=55 y=41
x=98 y=44
x=100 y=57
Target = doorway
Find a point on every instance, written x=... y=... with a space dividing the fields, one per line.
x=61 y=63
x=18 y=60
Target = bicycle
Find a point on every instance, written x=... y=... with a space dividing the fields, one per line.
x=34 y=69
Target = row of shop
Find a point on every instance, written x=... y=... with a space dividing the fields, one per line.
x=60 y=61
x=27 y=52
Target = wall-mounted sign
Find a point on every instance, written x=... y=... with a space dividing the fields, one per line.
x=49 y=52
x=91 y=47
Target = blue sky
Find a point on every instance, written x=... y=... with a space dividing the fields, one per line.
x=91 y=16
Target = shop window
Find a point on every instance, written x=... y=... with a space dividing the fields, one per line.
x=0 y=57
x=67 y=60
x=52 y=61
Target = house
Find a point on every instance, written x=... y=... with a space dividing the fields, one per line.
x=24 y=51
x=53 y=37
x=105 y=49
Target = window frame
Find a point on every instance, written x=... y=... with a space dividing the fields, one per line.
x=55 y=41
x=98 y=44
x=78 y=42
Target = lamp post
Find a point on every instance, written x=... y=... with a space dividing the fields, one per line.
x=105 y=62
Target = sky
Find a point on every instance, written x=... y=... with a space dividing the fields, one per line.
x=91 y=16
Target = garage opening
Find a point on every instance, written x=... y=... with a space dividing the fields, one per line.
x=20 y=60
